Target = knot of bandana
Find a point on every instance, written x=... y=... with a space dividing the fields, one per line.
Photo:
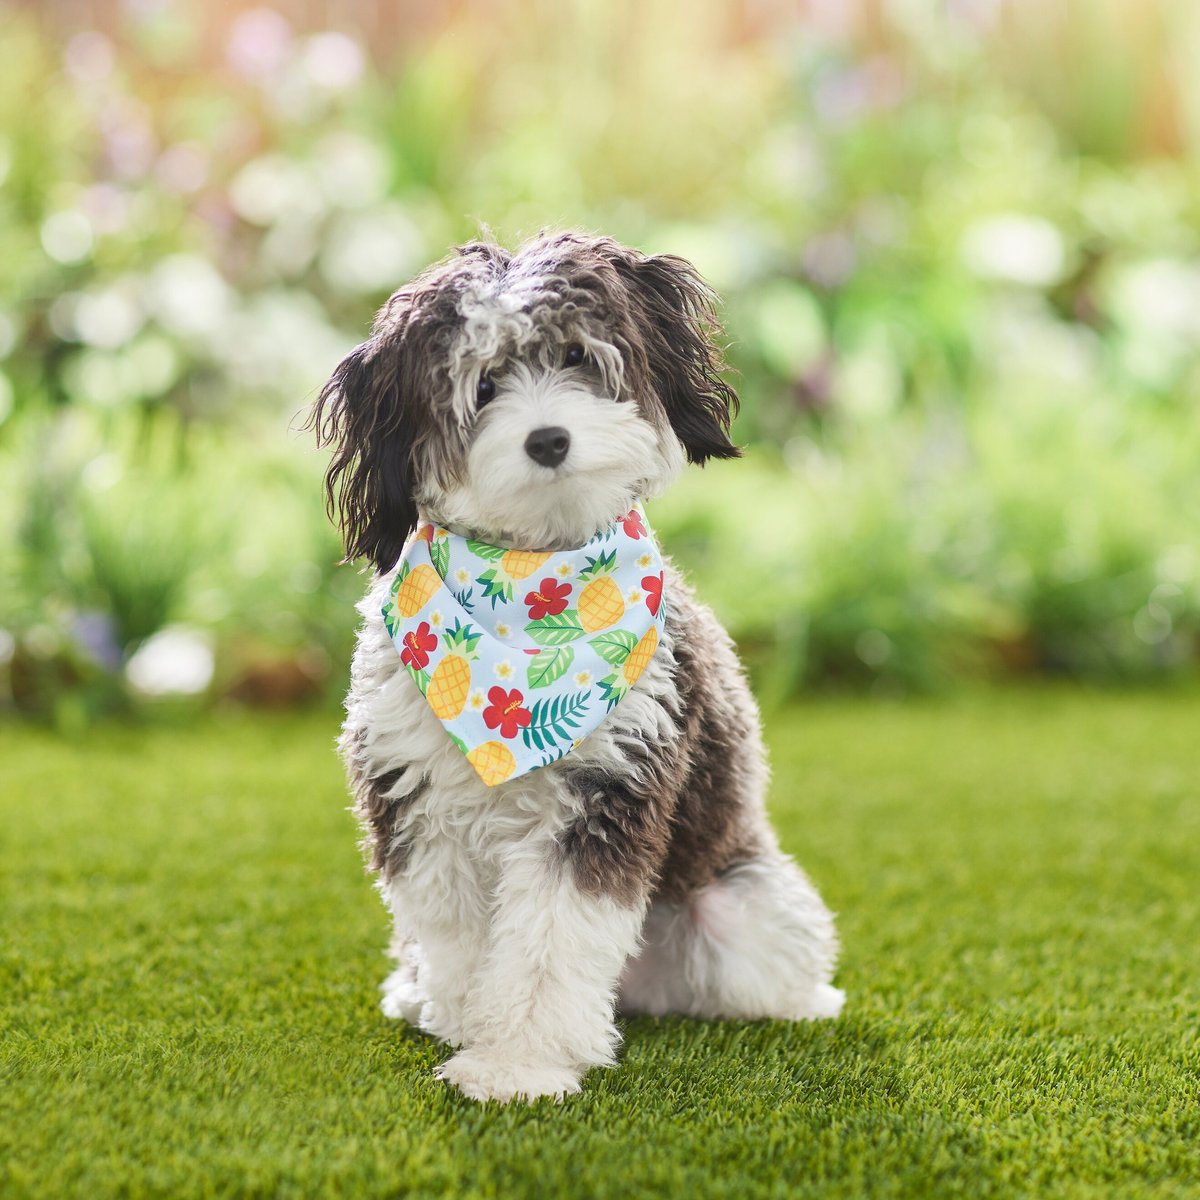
x=520 y=653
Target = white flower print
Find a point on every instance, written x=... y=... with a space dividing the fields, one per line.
x=435 y=618
x=463 y=575
x=503 y=670
x=583 y=678
x=633 y=596
x=563 y=570
x=502 y=630
x=645 y=561
x=475 y=700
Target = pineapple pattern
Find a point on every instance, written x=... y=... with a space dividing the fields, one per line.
x=519 y=653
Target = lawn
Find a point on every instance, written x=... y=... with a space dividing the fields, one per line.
x=191 y=951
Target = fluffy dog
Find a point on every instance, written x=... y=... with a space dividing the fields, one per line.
x=527 y=400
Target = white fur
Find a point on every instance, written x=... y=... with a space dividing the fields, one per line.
x=506 y=958
x=760 y=943
x=616 y=456
x=500 y=953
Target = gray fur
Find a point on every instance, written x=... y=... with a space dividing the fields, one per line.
x=397 y=408
x=641 y=865
x=680 y=812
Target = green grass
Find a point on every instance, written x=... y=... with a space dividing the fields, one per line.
x=191 y=954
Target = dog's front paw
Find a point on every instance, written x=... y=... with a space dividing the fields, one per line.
x=822 y=1003
x=402 y=998
x=491 y=1076
x=827 y=1001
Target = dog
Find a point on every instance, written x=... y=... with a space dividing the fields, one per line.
x=529 y=401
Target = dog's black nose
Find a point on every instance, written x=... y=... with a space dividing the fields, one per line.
x=548 y=446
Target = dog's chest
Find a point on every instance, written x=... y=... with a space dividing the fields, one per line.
x=402 y=733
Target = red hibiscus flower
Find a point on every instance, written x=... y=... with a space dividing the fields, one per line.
x=632 y=521
x=549 y=600
x=504 y=712
x=417 y=645
x=652 y=585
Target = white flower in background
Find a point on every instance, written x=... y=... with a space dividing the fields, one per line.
x=563 y=570
x=353 y=171
x=110 y=317
x=290 y=245
x=177 y=661
x=101 y=378
x=583 y=678
x=187 y=296
x=1016 y=248
x=280 y=341
x=271 y=186
x=1161 y=295
x=503 y=670
x=463 y=576
x=645 y=561
x=475 y=700
x=370 y=251
x=155 y=362
x=67 y=236
x=333 y=61
x=435 y=618
x=503 y=630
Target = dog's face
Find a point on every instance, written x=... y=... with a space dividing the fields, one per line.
x=527 y=399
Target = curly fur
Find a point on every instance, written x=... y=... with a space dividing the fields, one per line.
x=640 y=871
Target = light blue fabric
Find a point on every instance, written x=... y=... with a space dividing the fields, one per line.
x=521 y=654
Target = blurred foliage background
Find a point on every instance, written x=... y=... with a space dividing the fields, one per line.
x=958 y=241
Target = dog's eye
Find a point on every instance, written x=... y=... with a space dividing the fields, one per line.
x=574 y=355
x=485 y=390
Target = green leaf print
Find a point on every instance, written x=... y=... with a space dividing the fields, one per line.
x=602 y=564
x=612 y=688
x=615 y=646
x=556 y=631
x=495 y=586
x=483 y=550
x=549 y=665
x=553 y=722
x=439 y=555
x=420 y=678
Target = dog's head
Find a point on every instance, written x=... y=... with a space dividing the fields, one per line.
x=525 y=398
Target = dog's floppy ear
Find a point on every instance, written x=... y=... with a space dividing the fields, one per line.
x=369 y=486
x=678 y=328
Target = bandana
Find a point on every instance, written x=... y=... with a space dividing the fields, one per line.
x=519 y=653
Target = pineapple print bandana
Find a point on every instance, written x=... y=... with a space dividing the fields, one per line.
x=521 y=654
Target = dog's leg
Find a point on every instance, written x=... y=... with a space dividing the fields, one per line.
x=758 y=942
x=540 y=1010
x=403 y=998
x=441 y=923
